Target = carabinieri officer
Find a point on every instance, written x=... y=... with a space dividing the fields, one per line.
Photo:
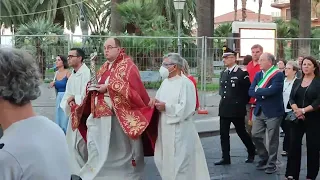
x=234 y=86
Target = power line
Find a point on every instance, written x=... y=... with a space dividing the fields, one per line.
x=27 y=14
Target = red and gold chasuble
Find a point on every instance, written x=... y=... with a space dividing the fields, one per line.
x=129 y=101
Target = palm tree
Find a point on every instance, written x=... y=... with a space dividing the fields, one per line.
x=244 y=9
x=285 y=30
x=235 y=7
x=205 y=17
x=11 y=12
x=315 y=33
x=135 y=14
x=63 y=11
x=115 y=18
x=223 y=30
x=100 y=18
x=259 y=11
x=166 y=7
x=162 y=7
x=33 y=36
x=304 y=27
x=294 y=9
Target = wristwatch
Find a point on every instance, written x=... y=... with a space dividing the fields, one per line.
x=303 y=111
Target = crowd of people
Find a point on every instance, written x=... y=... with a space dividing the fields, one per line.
x=251 y=99
x=104 y=130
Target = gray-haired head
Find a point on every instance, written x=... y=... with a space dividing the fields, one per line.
x=185 y=68
x=175 y=58
x=19 y=76
x=294 y=65
x=271 y=58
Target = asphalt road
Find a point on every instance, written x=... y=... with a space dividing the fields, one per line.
x=238 y=170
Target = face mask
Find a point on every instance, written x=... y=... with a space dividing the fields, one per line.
x=164 y=72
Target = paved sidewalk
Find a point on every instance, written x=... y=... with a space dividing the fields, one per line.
x=238 y=170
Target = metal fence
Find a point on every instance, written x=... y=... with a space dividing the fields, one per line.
x=204 y=54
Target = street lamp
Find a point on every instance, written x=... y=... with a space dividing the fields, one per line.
x=179 y=5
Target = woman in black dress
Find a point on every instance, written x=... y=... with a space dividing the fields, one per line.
x=305 y=101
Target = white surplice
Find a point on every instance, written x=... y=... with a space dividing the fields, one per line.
x=76 y=86
x=178 y=151
x=110 y=150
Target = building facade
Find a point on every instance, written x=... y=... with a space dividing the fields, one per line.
x=284 y=6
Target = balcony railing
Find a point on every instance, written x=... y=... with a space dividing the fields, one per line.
x=280 y=1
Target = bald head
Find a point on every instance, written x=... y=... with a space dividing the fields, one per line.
x=266 y=61
x=112 y=47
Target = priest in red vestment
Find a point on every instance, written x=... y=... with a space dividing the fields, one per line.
x=116 y=121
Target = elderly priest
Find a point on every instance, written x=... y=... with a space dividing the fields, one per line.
x=178 y=152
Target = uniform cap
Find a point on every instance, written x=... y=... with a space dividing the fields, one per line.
x=227 y=52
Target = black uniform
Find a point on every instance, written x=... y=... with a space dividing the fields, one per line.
x=234 y=86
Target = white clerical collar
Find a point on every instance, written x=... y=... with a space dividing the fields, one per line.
x=80 y=70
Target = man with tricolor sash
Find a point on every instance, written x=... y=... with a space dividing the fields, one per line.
x=266 y=88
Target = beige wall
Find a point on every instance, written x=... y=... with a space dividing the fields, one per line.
x=313 y=15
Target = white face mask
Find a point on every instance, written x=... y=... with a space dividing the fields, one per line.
x=164 y=72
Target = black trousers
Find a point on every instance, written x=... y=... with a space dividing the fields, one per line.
x=239 y=124
x=285 y=125
x=297 y=131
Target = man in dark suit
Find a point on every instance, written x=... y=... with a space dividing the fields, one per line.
x=267 y=88
x=234 y=85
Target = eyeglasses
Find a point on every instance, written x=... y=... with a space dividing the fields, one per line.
x=167 y=64
x=71 y=56
x=110 y=47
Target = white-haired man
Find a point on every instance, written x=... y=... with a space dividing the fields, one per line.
x=32 y=147
x=178 y=150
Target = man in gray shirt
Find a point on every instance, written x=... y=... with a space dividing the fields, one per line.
x=32 y=147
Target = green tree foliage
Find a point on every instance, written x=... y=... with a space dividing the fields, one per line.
x=43 y=39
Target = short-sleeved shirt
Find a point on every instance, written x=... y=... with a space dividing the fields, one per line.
x=252 y=70
x=34 y=149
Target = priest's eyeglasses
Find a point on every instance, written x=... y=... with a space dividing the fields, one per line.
x=110 y=47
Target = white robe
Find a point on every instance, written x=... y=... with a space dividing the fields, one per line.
x=76 y=86
x=178 y=151
x=110 y=150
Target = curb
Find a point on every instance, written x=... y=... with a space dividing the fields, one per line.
x=209 y=126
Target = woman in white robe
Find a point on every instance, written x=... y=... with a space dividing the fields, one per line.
x=178 y=151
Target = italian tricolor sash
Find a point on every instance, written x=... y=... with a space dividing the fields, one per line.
x=267 y=76
x=262 y=84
